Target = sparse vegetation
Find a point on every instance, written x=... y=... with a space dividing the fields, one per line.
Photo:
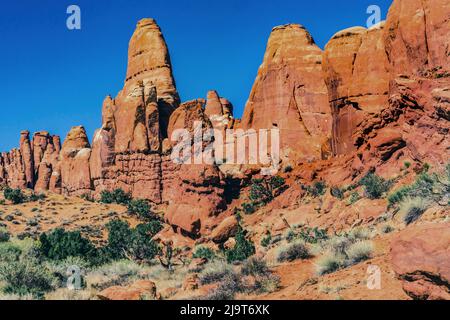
x=317 y=189
x=293 y=251
x=117 y=196
x=127 y=243
x=4 y=235
x=374 y=186
x=354 y=197
x=16 y=196
x=337 y=192
x=204 y=253
x=266 y=241
x=412 y=209
x=243 y=249
x=343 y=250
x=141 y=208
x=262 y=192
x=60 y=244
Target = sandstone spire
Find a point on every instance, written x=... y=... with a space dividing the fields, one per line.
x=290 y=94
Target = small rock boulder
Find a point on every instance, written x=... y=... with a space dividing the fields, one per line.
x=140 y=290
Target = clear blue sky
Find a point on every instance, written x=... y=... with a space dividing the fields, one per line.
x=53 y=78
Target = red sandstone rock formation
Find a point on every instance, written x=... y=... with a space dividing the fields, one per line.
x=34 y=165
x=290 y=94
x=420 y=259
x=355 y=69
x=75 y=155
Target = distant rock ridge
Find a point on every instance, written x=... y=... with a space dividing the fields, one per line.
x=373 y=99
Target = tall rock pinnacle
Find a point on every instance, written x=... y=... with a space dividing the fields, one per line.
x=290 y=94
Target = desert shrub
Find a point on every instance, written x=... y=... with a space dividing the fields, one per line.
x=115 y=273
x=407 y=164
x=150 y=229
x=337 y=192
x=329 y=263
x=4 y=235
x=26 y=277
x=242 y=250
x=359 y=251
x=227 y=288
x=412 y=209
x=215 y=272
x=266 y=241
x=116 y=196
x=9 y=252
x=374 y=186
x=141 y=208
x=344 y=250
x=59 y=269
x=293 y=251
x=204 y=253
x=36 y=197
x=60 y=244
x=288 y=169
x=249 y=208
x=317 y=189
x=88 y=197
x=313 y=235
x=263 y=191
x=127 y=243
x=16 y=196
x=354 y=197
x=255 y=267
x=422 y=187
x=290 y=235
x=387 y=228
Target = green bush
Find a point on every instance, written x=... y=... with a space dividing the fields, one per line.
x=24 y=277
x=293 y=251
x=127 y=243
x=313 y=235
x=60 y=244
x=266 y=241
x=141 y=208
x=4 y=235
x=422 y=187
x=317 y=189
x=16 y=196
x=263 y=191
x=242 y=250
x=150 y=229
x=249 y=208
x=374 y=186
x=354 y=197
x=204 y=253
x=36 y=197
x=329 y=263
x=117 y=196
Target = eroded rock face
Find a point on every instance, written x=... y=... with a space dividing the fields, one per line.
x=416 y=36
x=290 y=94
x=75 y=155
x=355 y=69
x=34 y=164
x=194 y=191
x=420 y=259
